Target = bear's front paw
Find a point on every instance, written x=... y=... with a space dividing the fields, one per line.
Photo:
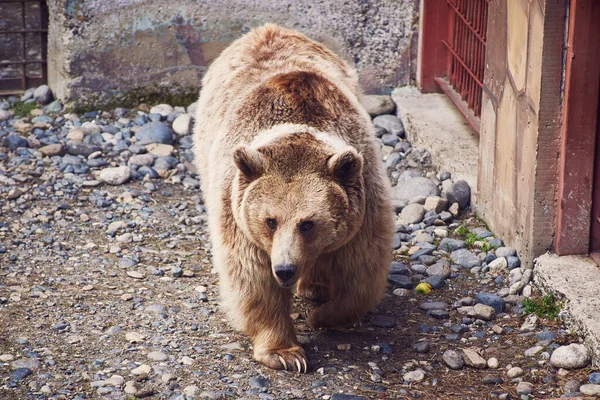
x=292 y=358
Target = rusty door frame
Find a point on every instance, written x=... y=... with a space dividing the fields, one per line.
x=578 y=157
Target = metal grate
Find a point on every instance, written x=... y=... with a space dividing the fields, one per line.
x=23 y=44
x=466 y=47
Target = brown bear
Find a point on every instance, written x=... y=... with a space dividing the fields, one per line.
x=295 y=189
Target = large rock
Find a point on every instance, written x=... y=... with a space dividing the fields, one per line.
x=43 y=94
x=408 y=189
x=4 y=115
x=154 y=132
x=378 y=105
x=412 y=213
x=459 y=192
x=465 y=258
x=182 y=124
x=115 y=175
x=390 y=123
x=473 y=359
x=570 y=357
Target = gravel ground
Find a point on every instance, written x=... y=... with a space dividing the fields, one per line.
x=107 y=289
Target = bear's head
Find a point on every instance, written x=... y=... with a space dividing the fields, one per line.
x=296 y=198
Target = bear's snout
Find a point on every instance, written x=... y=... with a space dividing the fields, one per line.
x=285 y=273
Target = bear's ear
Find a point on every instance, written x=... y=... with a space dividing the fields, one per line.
x=249 y=161
x=346 y=166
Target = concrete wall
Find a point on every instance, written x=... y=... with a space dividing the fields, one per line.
x=520 y=127
x=99 y=49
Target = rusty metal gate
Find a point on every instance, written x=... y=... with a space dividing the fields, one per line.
x=23 y=44
x=466 y=56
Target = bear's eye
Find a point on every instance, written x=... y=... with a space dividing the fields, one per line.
x=272 y=224
x=306 y=226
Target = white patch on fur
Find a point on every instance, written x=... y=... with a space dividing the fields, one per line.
x=281 y=130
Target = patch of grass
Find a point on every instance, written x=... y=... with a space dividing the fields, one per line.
x=471 y=239
x=462 y=230
x=487 y=246
x=22 y=109
x=544 y=307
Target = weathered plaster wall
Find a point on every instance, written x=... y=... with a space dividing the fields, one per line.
x=520 y=131
x=101 y=48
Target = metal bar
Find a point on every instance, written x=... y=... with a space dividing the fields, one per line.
x=481 y=39
x=460 y=104
x=463 y=63
x=24 y=46
x=5 y=63
x=24 y=31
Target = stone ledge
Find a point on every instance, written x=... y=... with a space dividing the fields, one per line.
x=575 y=280
x=431 y=121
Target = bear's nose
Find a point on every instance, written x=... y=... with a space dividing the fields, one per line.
x=285 y=272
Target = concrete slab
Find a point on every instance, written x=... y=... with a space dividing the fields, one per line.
x=431 y=121
x=576 y=280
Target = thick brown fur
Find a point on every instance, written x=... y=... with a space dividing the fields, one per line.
x=281 y=141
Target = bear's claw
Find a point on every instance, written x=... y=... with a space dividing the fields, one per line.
x=293 y=358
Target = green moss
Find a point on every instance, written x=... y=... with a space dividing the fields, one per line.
x=174 y=95
x=22 y=109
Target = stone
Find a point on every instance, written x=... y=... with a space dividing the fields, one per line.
x=524 y=388
x=473 y=359
x=407 y=190
x=505 y=252
x=154 y=132
x=54 y=107
x=433 y=305
x=414 y=376
x=42 y=94
x=182 y=124
x=142 y=369
x=513 y=262
x=572 y=356
x=398 y=268
x=378 y=104
x=157 y=356
x=530 y=323
x=383 y=321
x=401 y=281
x=532 y=351
x=51 y=150
x=440 y=269
x=80 y=148
x=492 y=300
x=115 y=175
x=134 y=337
x=390 y=123
x=160 y=150
x=572 y=386
x=341 y=396
x=412 y=213
x=436 y=281
x=590 y=390
x=4 y=115
x=13 y=142
x=141 y=159
x=162 y=109
x=465 y=258
x=514 y=372
x=259 y=382
x=484 y=312
x=421 y=347
x=493 y=363
x=498 y=265
x=20 y=373
x=460 y=193
x=449 y=245
x=453 y=359
x=75 y=135
x=436 y=203
x=492 y=380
